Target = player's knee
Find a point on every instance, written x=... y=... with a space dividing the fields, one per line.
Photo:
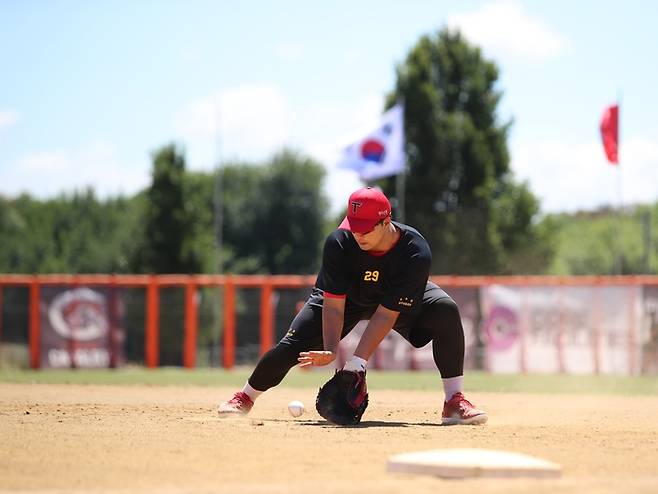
x=273 y=366
x=291 y=351
x=447 y=312
x=445 y=318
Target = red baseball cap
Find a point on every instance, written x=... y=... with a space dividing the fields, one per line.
x=365 y=208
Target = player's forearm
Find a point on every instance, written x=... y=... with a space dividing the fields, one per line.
x=332 y=326
x=378 y=327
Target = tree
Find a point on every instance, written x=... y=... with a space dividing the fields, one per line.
x=242 y=203
x=274 y=215
x=606 y=241
x=460 y=192
x=168 y=245
x=293 y=220
x=75 y=233
x=199 y=208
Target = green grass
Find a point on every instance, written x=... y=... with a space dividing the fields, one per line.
x=421 y=380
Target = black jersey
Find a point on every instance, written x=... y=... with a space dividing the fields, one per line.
x=395 y=280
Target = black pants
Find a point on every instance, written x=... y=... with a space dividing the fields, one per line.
x=438 y=321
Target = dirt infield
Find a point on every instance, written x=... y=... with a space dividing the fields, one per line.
x=148 y=439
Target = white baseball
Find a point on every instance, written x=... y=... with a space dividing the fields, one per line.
x=296 y=408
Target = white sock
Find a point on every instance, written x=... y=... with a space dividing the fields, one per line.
x=251 y=392
x=355 y=364
x=453 y=385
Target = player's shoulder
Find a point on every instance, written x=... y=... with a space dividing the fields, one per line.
x=339 y=240
x=412 y=239
x=407 y=229
x=412 y=245
x=339 y=236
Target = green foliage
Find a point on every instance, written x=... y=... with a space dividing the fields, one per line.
x=168 y=244
x=295 y=212
x=241 y=206
x=274 y=215
x=515 y=211
x=459 y=190
x=605 y=242
x=199 y=209
x=68 y=234
x=273 y=222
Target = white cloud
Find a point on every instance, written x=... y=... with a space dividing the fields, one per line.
x=568 y=177
x=44 y=161
x=257 y=120
x=505 y=28
x=327 y=128
x=7 y=118
x=245 y=122
x=48 y=173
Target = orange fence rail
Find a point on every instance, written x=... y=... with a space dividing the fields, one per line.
x=229 y=283
x=152 y=284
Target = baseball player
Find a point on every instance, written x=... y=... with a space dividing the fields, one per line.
x=372 y=269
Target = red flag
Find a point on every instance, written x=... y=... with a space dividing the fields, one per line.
x=610 y=133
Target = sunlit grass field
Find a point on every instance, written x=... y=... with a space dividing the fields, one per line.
x=418 y=380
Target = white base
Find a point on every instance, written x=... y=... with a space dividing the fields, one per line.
x=466 y=463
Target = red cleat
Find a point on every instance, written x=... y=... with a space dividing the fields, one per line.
x=240 y=404
x=459 y=411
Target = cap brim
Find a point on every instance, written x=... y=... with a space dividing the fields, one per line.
x=357 y=225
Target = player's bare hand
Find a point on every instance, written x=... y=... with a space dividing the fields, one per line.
x=315 y=358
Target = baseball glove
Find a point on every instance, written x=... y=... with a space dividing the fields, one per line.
x=343 y=398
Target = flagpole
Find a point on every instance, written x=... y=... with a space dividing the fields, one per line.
x=401 y=178
x=617 y=269
x=620 y=245
x=218 y=226
x=218 y=194
x=400 y=181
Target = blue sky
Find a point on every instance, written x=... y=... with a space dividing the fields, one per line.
x=89 y=89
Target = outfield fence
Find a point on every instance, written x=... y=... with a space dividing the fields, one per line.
x=515 y=324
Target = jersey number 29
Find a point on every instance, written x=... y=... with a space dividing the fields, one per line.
x=371 y=276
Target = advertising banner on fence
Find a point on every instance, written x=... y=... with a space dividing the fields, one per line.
x=571 y=329
x=81 y=327
x=501 y=328
x=649 y=332
x=619 y=342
